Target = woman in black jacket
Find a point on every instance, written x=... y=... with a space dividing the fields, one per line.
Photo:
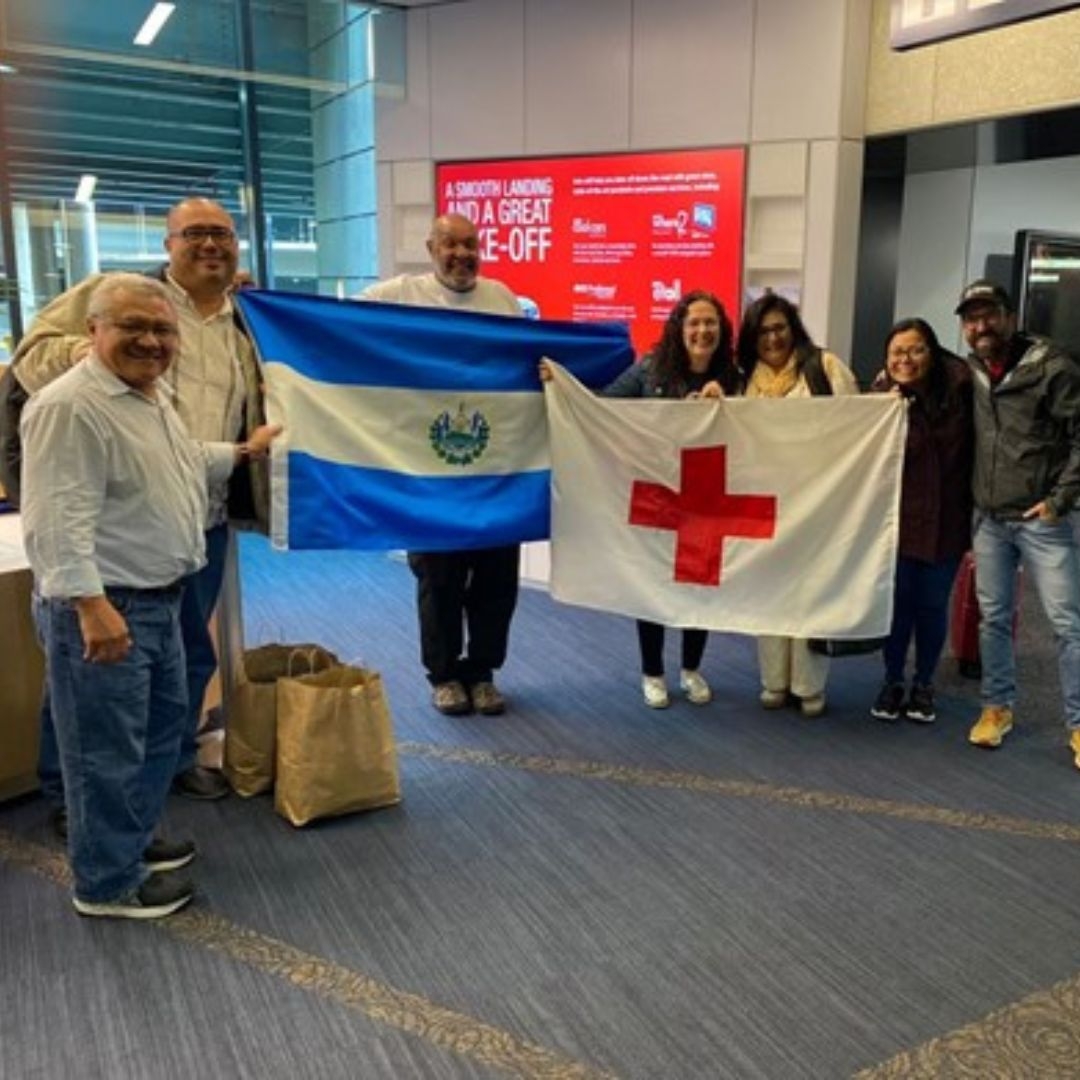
x=935 y=509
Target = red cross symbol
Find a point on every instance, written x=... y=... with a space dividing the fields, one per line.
x=702 y=514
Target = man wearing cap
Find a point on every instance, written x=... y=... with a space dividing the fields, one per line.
x=1026 y=482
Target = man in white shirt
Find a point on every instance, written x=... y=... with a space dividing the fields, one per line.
x=115 y=495
x=216 y=383
x=456 y=590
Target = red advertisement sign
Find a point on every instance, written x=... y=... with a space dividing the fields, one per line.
x=620 y=236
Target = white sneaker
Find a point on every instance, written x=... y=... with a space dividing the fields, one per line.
x=655 y=690
x=774 y=699
x=693 y=684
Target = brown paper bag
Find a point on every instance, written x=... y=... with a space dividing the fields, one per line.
x=250 y=733
x=335 y=745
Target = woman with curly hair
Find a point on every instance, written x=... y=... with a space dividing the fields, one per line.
x=692 y=359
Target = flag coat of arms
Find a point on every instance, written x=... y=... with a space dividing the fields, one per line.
x=759 y=516
x=412 y=427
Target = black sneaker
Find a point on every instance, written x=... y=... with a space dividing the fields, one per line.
x=920 y=704
x=198 y=782
x=890 y=702
x=155 y=898
x=162 y=855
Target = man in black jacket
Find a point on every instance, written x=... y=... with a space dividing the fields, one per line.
x=1026 y=483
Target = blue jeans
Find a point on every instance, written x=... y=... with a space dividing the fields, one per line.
x=118 y=730
x=1050 y=555
x=200 y=596
x=920 y=607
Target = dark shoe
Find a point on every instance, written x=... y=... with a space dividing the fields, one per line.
x=920 y=705
x=970 y=669
x=199 y=782
x=162 y=855
x=487 y=700
x=58 y=822
x=451 y=698
x=890 y=702
x=155 y=898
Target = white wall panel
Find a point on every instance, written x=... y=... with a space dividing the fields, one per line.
x=798 y=69
x=384 y=184
x=477 y=66
x=845 y=245
x=577 y=76
x=821 y=212
x=832 y=236
x=691 y=73
x=403 y=125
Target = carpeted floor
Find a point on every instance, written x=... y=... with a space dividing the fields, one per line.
x=586 y=887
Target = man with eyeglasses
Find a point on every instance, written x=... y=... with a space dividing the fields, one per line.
x=114 y=511
x=1026 y=483
x=216 y=384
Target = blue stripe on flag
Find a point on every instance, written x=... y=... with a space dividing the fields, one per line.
x=362 y=343
x=376 y=509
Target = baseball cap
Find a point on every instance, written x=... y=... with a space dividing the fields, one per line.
x=984 y=291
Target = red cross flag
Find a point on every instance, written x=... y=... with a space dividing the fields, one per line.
x=758 y=516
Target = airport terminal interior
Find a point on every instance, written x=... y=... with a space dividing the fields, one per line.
x=582 y=887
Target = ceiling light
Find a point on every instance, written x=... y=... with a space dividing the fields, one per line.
x=84 y=193
x=157 y=18
x=8 y=69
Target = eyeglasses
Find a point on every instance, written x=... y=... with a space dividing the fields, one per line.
x=914 y=352
x=199 y=234
x=773 y=330
x=136 y=328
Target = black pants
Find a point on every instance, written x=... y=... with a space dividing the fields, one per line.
x=459 y=590
x=651 y=640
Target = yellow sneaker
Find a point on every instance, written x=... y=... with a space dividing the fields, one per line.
x=992 y=726
x=1074 y=746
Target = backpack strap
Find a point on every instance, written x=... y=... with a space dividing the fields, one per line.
x=813 y=370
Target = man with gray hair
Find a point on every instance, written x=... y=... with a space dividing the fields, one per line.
x=217 y=395
x=115 y=497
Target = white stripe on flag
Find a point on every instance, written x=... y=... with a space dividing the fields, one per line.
x=833 y=466
x=388 y=428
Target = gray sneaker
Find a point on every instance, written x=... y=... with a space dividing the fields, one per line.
x=158 y=896
x=451 y=698
x=487 y=700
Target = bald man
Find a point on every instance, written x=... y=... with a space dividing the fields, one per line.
x=216 y=386
x=465 y=599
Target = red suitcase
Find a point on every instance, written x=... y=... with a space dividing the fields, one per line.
x=964 y=618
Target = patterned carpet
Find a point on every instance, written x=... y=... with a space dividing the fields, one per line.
x=585 y=887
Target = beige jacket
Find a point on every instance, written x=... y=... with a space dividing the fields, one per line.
x=59 y=329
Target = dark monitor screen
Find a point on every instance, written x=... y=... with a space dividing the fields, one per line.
x=1047 y=285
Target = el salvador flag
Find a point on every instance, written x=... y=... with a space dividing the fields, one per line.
x=413 y=427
